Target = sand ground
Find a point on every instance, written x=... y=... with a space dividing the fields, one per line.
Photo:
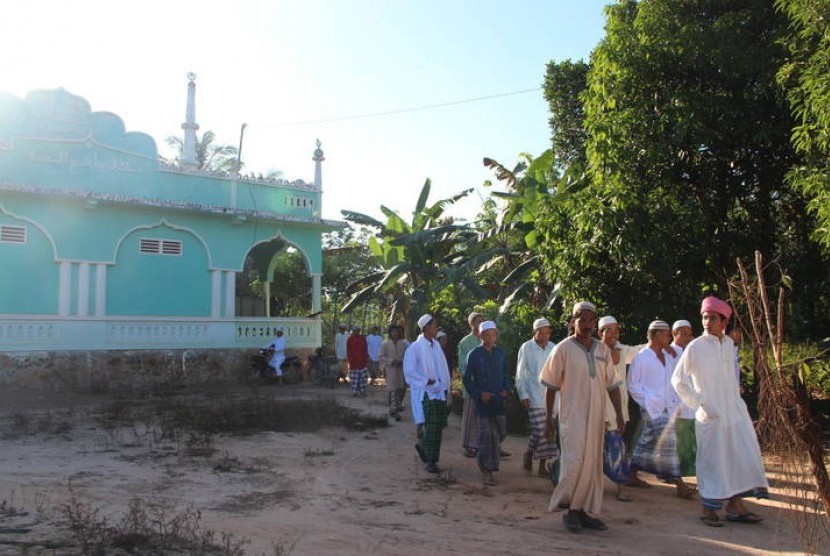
x=337 y=491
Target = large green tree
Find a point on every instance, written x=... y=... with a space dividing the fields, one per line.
x=686 y=140
x=806 y=76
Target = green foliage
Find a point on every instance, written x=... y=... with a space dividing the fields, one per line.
x=416 y=259
x=210 y=155
x=686 y=145
x=806 y=77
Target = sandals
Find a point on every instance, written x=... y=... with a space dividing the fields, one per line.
x=711 y=520
x=637 y=482
x=687 y=492
x=748 y=517
x=624 y=497
x=572 y=522
x=592 y=523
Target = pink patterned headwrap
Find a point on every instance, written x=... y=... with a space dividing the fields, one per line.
x=712 y=303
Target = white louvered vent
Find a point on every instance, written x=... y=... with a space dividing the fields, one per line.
x=12 y=234
x=150 y=246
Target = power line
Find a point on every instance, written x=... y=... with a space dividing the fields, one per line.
x=405 y=110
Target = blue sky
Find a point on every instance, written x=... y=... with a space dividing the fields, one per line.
x=273 y=63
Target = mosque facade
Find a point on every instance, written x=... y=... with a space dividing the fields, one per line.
x=105 y=246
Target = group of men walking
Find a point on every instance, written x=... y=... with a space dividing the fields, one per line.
x=576 y=393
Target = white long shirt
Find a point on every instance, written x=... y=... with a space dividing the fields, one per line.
x=531 y=358
x=373 y=343
x=340 y=345
x=423 y=361
x=728 y=456
x=649 y=382
x=686 y=412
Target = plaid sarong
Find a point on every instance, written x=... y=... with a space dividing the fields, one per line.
x=491 y=431
x=656 y=450
x=469 y=438
x=358 y=379
x=435 y=419
x=686 y=446
x=538 y=445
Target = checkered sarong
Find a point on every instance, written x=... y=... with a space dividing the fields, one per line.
x=435 y=419
x=538 y=445
x=469 y=437
x=358 y=379
x=491 y=431
x=656 y=450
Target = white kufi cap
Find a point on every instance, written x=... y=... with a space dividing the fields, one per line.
x=540 y=323
x=424 y=320
x=486 y=325
x=605 y=321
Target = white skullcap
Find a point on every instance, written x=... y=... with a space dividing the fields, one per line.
x=473 y=316
x=680 y=324
x=583 y=306
x=540 y=323
x=440 y=334
x=424 y=320
x=605 y=321
x=355 y=327
x=486 y=325
x=658 y=325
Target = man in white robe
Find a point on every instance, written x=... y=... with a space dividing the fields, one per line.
x=582 y=370
x=426 y=372
x=682 y=333
x=729 y=463
x=276 y=348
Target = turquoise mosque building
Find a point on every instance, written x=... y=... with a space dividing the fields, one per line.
x=105 y=246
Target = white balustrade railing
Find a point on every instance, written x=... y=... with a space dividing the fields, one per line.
x=28 y=333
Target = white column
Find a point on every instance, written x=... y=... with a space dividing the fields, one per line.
x=316 y=306
x=100 y=290
x=230 y=294
x=64 y=288
x=268 y=299
x=83 y=289
x=215 y=294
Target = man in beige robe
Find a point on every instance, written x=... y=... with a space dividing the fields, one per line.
x=582 y=370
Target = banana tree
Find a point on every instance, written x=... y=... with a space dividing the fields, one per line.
x=416 y=258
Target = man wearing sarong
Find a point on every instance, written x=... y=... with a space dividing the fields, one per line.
x=532 y=355
x=276 y=348
x=357 y=354
x=487 y=384
x=685 y=424
x=373 y=341
x=622 y=355
x=649 y=383
x=391 y=361
x=729 y=464
x=581 y=369
x=468 y=343
x=340 y=350
x=426 y=372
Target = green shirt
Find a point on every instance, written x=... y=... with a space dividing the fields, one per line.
x=467 y=344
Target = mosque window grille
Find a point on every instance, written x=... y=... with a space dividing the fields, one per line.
x=153 y=246
x=12 y=234
x=298 y=202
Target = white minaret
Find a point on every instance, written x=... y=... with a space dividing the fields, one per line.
x=188 y=157
x=318 y=167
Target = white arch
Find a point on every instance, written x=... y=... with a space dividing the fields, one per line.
x=282 y=237
x=36 y=225
x=164 y=223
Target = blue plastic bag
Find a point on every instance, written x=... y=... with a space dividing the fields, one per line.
x=614 y=462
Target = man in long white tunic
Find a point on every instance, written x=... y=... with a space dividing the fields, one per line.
x=729 y=464
x=581 y=369
x=426 y=372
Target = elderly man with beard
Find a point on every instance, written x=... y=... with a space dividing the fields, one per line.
x=581 y=369
x=649 y=383
x=532 y=355
x=729 y=463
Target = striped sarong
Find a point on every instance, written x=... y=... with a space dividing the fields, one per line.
x=358 y=379
x=435 y=419
x=538 y=445
x=656 y=450
x=491 y=431
x=469 y=438
x=686 y=446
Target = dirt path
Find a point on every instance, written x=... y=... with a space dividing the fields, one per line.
x=333 y=491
